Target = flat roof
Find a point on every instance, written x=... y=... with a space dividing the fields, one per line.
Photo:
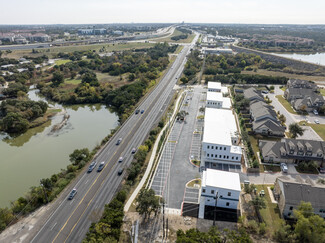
x=219 y=126
x=221 y=179
x=224 y=90
x=226 y=103
x=214 y=85
x=214 y=96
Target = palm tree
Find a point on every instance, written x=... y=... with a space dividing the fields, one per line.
x=295 y=130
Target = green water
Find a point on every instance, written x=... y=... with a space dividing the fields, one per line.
x=39 y=153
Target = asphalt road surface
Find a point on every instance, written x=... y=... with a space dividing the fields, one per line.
x=71 y=219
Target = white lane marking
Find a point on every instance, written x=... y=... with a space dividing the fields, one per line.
x=86 y=181
x=54 y=225
x=71 y=201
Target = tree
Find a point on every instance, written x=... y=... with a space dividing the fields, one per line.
x=282 y=119
x=14 y=123
x=258 y=203
x=57 y=78
x=295 y=130
x=79 y=155
x=147 y=202
x=90 y=78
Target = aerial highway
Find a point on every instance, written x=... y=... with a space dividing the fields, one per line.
x=70 y=220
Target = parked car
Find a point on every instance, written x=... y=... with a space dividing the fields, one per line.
x=316 y=121
x=284 y=167
x=265 y=91
x=72 y=194
x=92 y=166
x=315 y=112
x=137 y=111
x=322 y=170
x=101 y=166
x=120 y=159
x=118 y=141
x=133 y=151
x=120 y=171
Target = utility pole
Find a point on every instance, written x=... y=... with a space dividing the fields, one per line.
x=44 y=193
x=163 y=220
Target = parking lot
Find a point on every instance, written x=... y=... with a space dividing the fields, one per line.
x=175 y=169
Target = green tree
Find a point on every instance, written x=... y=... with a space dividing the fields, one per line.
x=147 y=202
x=14 y=123
x=282 y=119
x=79 y=155
x=57 y=78
x=295 y=130
x=258 y=202
x=90 y=78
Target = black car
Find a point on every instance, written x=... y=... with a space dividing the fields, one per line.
x=101 y=166
x=92 y=166
x=118 y=141
x=120 y=171
x=72 y=194
x=137 y=111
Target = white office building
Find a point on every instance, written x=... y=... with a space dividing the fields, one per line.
x=216 y=100
x=214 y=87
x=219 y=189
x=220 y=139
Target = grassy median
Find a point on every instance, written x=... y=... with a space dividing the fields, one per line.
x=286 y=104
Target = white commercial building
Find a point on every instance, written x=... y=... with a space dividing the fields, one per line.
x=220 y=139
x=214 y=87
x=216 y=100
x=219 y=189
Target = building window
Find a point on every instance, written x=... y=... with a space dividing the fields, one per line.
x=291 y=151
x=227 y=204
x=235 y=141
x=203 y=190
x=224 y=148
x=208 y=155
x=220 y=148
x=212 y=147
x=208 y=146
x=224 y=156
x=216 y=156
x=236 y=158
x=220 y=156
x=212 y=191
x=227 y=156
x=232 y=157
x=229 y=194
x=216 y=147
x=291 y=208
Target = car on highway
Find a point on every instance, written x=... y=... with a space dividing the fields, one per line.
x=142 y=111
x=92 y=166
x=101 y=166
x=316 y=121
x=118 y=141
x=133 y=151
x=120 y=159
x=284 y=167
x=315 y=112
x=72 y=194
x=120 y=171
x=137 y=111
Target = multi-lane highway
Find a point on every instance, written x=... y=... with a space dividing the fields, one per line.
x=70 y=221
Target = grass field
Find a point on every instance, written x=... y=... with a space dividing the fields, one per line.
x=62 y=61
x=176 y=32
x=286 y=104
x=271 y=214
x=54 y=50
x=288 y=75
x=72 y=81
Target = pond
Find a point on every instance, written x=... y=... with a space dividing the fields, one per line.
x=317 y=58
x=39 y=152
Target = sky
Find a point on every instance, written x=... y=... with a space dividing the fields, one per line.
x=162 y=11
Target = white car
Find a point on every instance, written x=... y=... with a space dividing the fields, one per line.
x=315 y=112
x=284 y=167
x=316 y=121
